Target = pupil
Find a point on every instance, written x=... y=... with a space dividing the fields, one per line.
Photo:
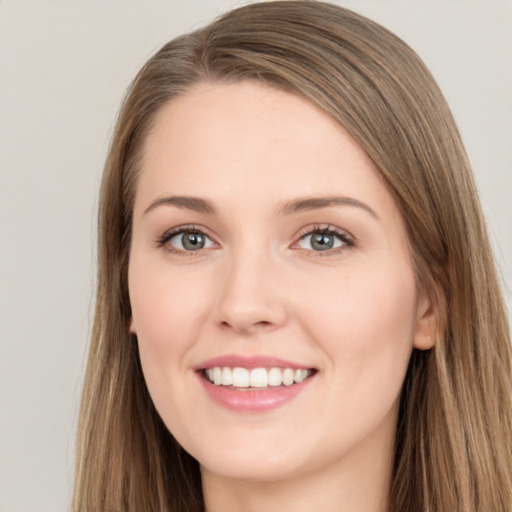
x=193 y=241
x=321 y=241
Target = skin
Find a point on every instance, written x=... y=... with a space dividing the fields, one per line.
x=353 y=312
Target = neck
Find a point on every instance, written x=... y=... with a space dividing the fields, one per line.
x=358 y=483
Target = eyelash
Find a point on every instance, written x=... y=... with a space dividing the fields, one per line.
x=344 y=237
x=326 y=229
x=163 y=240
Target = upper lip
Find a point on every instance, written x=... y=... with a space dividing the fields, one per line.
x=250 y=362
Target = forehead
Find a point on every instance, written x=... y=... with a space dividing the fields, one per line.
x=246 y=140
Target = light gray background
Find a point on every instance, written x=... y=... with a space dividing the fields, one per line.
x=63 y=69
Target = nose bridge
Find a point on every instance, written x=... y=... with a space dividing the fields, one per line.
x=249 y=295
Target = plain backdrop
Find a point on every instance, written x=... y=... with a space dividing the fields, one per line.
x=63 y=69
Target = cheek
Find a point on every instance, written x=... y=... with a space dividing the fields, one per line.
x=364 y=322
x=167 y=313
x=167 y=307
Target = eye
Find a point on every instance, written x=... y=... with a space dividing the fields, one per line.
x=190 y=241
x=186 y=240
x=324 y=239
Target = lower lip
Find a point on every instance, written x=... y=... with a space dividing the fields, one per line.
x=253 y=399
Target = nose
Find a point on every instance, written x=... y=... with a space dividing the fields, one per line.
x=251 y=297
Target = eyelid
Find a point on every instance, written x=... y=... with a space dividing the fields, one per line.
x=162 y=240
x=347 y=239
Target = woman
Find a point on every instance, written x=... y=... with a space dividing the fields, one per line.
x=288 y=315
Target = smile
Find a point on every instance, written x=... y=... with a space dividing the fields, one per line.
x=254 y=384
x=257 y=378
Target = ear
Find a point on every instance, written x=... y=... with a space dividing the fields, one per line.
x=131 y=326
x=426 y=323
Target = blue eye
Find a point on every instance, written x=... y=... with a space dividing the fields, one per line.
x=186 y=240
x=323 y=240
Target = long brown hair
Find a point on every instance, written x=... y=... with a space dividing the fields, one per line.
x=453 y=447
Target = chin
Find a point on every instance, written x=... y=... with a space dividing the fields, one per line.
x=261 y=468
x=269 y=458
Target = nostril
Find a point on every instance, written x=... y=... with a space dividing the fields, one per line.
x=246 y=327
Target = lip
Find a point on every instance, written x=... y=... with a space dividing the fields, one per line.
x=250 y=362
x=253 y=400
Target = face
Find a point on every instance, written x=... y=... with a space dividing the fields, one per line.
x=268 y=257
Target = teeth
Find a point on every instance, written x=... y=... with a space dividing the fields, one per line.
x=217 y=376
x=300 y=375
x=227 y=377
x=258 y=378
x=240 y=377
x=288 y=375
x=255 y=378
x=275 y=377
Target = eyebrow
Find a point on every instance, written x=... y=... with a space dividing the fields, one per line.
x=199 y=205
x=195 y=204
x=316 y=203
